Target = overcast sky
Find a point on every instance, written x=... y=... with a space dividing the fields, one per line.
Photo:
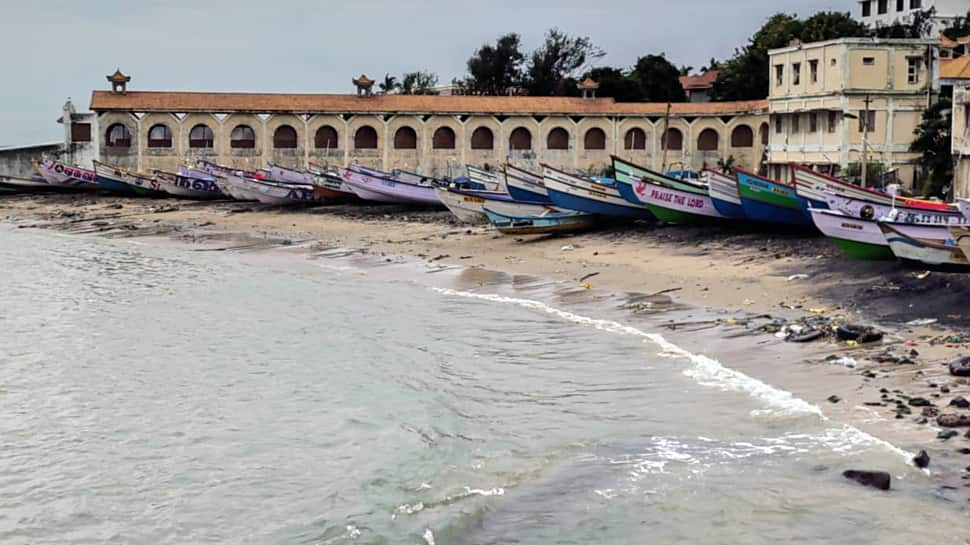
x=54 y=49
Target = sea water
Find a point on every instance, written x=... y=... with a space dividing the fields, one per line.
x=150 y=394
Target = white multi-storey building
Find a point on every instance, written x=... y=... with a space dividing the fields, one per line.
x=886 y=12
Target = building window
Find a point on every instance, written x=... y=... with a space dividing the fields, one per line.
x=443 y=138
x=635 y=139
x=813 y=70
x=708 y=140
x=779 y=74
x=520 y=139
x=405 y=138
x=558 y=139
x=915 y=4
x=242 y=137
x=80 y=132
x=118 y=136
x=833 y=120
x=365 y=138
x=160 y=136
x=483 y=138
x=866 y=8
x=795 y=122
x=673 y=140
x=883 y=7
x=763 y=131
x=285 y=137
x=595 y=139
x=813 y=122
x=201 y=137
x=869 y=61
x=777 y=169
x=871 y=123
x=796 y=73
x=326 y=138
x=914 y=66
x=742 y=137
x=778 y=124
x=900 y=5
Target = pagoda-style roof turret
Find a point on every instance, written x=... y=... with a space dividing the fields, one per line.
x=588 y=86
x=119 y=81
x=364 y=85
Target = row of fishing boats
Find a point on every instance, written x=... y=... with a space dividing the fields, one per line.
x=865 y=223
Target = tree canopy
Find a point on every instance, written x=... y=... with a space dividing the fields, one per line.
x=933 y=143
x=552 y=67
x=658 y=80
x=418 y=83
x=958 y=28
x=495 y=69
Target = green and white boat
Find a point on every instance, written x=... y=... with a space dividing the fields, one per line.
x=856 y=237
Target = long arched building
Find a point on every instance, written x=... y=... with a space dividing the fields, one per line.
x=435 y=135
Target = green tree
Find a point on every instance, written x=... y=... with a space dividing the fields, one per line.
x=659 y=80
x=613 y=82
x=419 y=83
x=388 y=85
x=494 y=69
x=920 y=26
x=933 y=143
x=552 y=67
x=828 y=25
x=959 y=28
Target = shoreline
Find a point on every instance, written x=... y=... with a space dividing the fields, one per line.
x=688 y=269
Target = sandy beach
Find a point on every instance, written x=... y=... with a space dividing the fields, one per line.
x=736 y=281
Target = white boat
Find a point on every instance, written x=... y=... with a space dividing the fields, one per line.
x=371 y=185
x=859 y=208
x=524 y=185
x=467 y=208
x=964 y=206
x=857 y=238
x=938 y=249
x=187 y=187
x=492 y=181
x=64 y=175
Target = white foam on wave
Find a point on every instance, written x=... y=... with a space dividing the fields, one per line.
x=705 y=371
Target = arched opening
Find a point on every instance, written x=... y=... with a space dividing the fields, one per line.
x=160 y=136
x=483 y=138
x=742 y=137
x=635 y=138
x=443 y=138
x=558 y=139
x=763 y=133
x=673 y=140
x=595 y=139
x=284 y=137
x=365 y=138
x=201 y=137
x=520 y=139
x=708 y=140
x=118 y=136
x=242 y=137
x=405 y=138
x=326 y=138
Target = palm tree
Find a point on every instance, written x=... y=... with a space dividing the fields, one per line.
x=389 y=84
x=726 y=165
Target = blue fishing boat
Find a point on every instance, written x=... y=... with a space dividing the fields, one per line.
x=725 y=195
x=523 y=185
x=769 y=201
x=508 y=219
x=123 y=182
x=576 y=193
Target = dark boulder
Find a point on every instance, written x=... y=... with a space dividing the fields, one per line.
x=834 y=399
x=960 y=402
x=960 y=367
x=875 y=479
x=951 y=420
x=922 y=459
x=919 y=402
x=947 y=434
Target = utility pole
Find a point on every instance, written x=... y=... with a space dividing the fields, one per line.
x=865 y=142
x=665 y=140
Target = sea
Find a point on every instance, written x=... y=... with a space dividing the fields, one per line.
x=154 y=394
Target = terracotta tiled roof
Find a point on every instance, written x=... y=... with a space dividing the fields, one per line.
x=588 y=83
x=119 y=77
x=183 y=102
x=958 y=68
x=950 y=44
x=703 y=81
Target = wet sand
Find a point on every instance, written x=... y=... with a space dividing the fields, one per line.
x=733 y=286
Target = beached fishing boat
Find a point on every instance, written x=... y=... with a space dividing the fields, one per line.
x=866 y=209
x=322 y=187
x=61 y=174
x=126 y=182
x=769 y=201
x=523 y=185
x=936 y=247
x=724 y=192
x=964 y=206
x=269 y=192
x=468 y=205
x=187 y=187
x=17 y=184
x=572 y=192
x=331 y=180
x=961 y=235
x=549 y=220
x=369 y=185
x=489 y=180
x=857 y=238
x=672 y=200
x=812 y=187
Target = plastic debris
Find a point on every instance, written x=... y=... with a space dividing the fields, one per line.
x=846 y=361
x=922 y=321
x=797 y=277
x=568 y=248
x=922 y=275
x=818 y=310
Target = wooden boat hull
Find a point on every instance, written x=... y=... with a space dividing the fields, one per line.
x=963 y=205
x=186 y=187
x=857 y=238
x=491 y=181
x=725 y=196
x=276 y=194
x=961 y=235
x=675 y=206
x=860 y=208
x=938 y=249
x=768 y=201
x=523 y=185
x=467 y=208
x=125 y=182
x=627 y=174
x=373 y=188
x=551 y=222
x=575 y=193
x=811 y=188
x=61 y=174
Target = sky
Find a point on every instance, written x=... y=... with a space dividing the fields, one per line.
x=55 y=49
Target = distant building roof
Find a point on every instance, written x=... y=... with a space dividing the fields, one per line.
x=698 y=83
x=185 y=102
x=950 y=44
x=958 y=68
